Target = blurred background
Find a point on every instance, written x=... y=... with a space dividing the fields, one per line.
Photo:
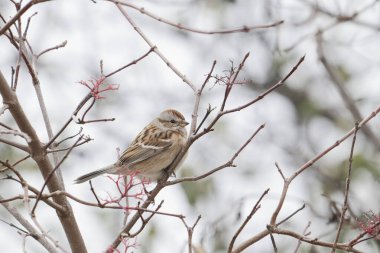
x=305 y=116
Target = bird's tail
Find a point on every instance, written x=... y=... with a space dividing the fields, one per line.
x=91 y=175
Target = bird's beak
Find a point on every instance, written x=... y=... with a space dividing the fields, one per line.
x=184 y=123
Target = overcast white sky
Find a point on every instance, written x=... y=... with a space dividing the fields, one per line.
x=99 y=31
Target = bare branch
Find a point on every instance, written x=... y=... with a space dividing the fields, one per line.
x=245 y=28
x=63 y=44
x=66 y=218
x=314 y=241
x=73 y=115
x=155 y=49
x=347 y=247
x=52 y=173
x=25 y=185
x=336 y=79
x=208 y=112
x=275 y=86
x=19 y=14
x=129 y=64
x=198 y=94
x=229 y=163
x=29 y=227
x=305 y=233
x=337 y=143
x=15 y=144
x=345 y=204
x=291 y=215
x=17 y=133
x=190 y=231
x=247 y=219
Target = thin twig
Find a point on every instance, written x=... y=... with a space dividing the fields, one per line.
x=346 y=190
x=73 y=115
x=25 y=136
x=208 y=112
x=155 y=49
x=29 y=227
x=247 y=219
x=261 y=96
x=232 y=81
x=52 y=173
x=229 y=163
x=131 y=63
x=19 y=13
x=305 y=233
x=347 y=247
x=63 y=44
x=198 y=94
x=291 y=215
x=24 y=184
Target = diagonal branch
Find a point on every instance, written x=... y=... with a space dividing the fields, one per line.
x=19 y=14
x=229 y=163
x=155 y=49
x=247 y=219
x=31 y=230
x=336 y=79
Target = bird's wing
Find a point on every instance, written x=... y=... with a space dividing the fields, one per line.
x=138 y=152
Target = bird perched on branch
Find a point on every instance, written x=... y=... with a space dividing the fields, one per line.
x=152 y=151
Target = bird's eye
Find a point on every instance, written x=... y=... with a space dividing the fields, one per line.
x=172 y=121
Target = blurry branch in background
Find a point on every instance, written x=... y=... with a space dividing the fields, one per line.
x=336 y=20
x=339 y=83
x=244 y=28
x=352 y=17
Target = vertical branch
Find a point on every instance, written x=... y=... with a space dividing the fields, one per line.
x=198 y=95
x=231 y=81
x=345 y=205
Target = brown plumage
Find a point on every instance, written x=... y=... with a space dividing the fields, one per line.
x=153 y=150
